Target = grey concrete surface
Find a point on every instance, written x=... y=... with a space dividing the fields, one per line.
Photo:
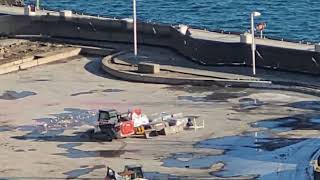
x=230 y=38
x=80 y=84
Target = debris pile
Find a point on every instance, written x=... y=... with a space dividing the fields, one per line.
x=19 y=49
x=114 y=125
x=19 y=3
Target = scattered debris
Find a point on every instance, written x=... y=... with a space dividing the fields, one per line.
x=115 y=125
x=131 y=172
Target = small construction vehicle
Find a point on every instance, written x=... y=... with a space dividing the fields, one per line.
x=112 y=125
x=131 y=172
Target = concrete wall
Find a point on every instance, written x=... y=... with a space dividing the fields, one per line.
x=203 y=51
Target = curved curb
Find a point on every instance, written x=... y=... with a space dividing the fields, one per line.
x=107 y=66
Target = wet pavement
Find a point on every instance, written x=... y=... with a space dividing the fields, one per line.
x=308 y=105
x=247 y=104
x=97 y=91
x=14 y=95
x=51 y=127
x=263 y=153
x=5 y=128
x=209 y=93
x=74 y=174
x=73 y=152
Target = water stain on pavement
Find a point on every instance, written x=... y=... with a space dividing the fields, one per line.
x=214 y=97
x=264 y=153
x=42 y=80
x=248 y=104
x=96 y=91
x=193 y=89
x=14 y=95
x=73 y=152
x=19 y=150
x=82 y=171
x=51 y=127
x=163 y=176
x=309 y=105
x=6 y=128
x=212 y=93
x=298 y=122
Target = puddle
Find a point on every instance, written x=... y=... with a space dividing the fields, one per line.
x=73 y=152
x=42 y=80
x=247 y=104
x=83 y=93
x=162 y=176
x=19 y=150
x=214 y=97
x=6 y=128
x=216 y=93
x=262 y=154
x=82 y=171
x=309 y=105
x=193 y=89
x=96 y=91
x=50 y=127
x=13 y=95
x=112 y=90
x=292 y=123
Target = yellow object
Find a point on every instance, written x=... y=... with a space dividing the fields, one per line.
x=139 y=130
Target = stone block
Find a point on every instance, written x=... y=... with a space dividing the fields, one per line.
x=317 y=48
x=246 y=38
x=65 y=13
x=148 y=68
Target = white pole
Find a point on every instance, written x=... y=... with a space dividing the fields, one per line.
x=38 y=4
x=261 y=36
x=135 y=28
x=253 y=45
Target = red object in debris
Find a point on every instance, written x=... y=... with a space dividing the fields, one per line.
x=126 y=128
x=137 y=111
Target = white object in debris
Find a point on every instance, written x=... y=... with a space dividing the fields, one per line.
x=197 y=124
x=138 y=118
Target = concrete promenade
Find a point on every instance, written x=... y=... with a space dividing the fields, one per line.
x=231 y=38
x=195 y=33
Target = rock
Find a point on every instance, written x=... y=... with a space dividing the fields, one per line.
x=12 y=2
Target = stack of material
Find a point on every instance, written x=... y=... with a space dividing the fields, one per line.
x=175 y=123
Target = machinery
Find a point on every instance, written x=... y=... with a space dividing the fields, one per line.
x=112 y=125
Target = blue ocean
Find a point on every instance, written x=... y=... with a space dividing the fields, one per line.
x=297 y=20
